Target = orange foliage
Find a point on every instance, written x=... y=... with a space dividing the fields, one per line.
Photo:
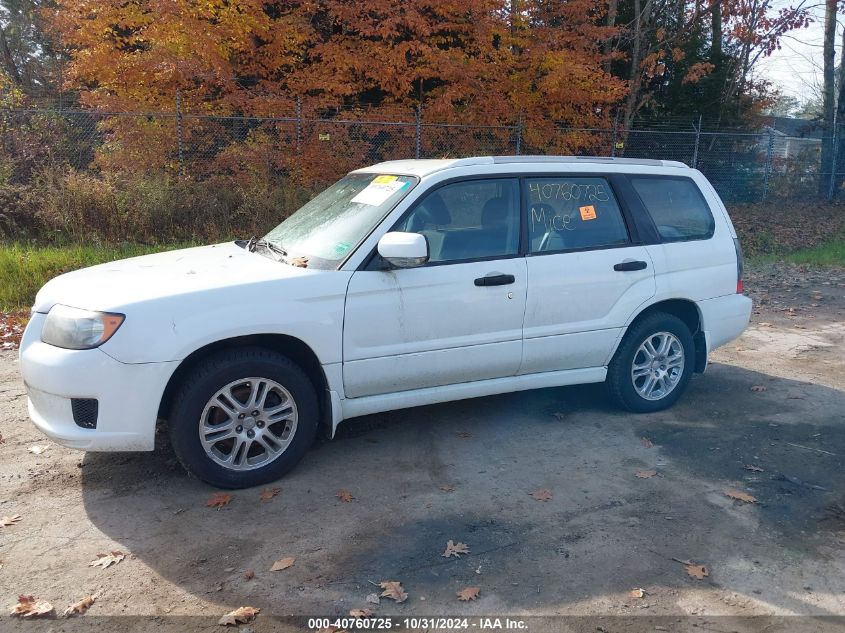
x=466 y=60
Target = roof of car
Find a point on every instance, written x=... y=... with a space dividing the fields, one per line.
x=426 y=166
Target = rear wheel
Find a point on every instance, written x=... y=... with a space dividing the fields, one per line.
x=243 y=418
x=653 y=365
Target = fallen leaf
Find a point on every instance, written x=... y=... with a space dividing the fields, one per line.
x=372 y=598
x=218 y=500
x=344 y=495
x=759 y=388
x=636 y=593
x=697 y=571
x=455 y=549
x=468 y=593
x=753 y=468
x=740 y=496
x=249 y=574
x=7 y=521
x=30 y=606
x=447 y=488
x=645 y=474
x=646 y=442
x=107 y=560
x=2 y=441
x=37 y=449
x=283 y=563
x=299 y=262
x=393 y=590
x=541 y=495
x=268 y=493
x=241 y=615
x=464 y=434
x=361 y=613
x=79 y=607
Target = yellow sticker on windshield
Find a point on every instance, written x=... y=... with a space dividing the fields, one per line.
x=588 y=212
x=383 y=180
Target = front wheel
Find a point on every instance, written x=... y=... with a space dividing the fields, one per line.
x=243 y=418
x=653 y=365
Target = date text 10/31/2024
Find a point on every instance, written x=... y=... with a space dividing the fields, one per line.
x=419 y=623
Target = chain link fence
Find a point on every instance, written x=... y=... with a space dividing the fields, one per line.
x=313 y=151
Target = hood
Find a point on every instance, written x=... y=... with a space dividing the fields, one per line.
x=112 y=286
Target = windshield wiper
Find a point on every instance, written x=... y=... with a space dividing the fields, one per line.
x=255 y=242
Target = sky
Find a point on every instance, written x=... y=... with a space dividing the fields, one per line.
x=796 y=69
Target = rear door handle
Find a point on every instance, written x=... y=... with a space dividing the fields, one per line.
x=495 y=280
x=632 y=265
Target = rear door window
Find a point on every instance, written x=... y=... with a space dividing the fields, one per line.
x=676 y=206
x=567 y=213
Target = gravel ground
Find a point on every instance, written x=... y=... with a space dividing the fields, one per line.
x=773 y=400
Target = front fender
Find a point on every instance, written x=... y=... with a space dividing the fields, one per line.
x=171 y=328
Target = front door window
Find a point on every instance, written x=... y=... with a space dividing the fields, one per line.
x=469 y=220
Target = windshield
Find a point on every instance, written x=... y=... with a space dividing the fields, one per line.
x=331 y=225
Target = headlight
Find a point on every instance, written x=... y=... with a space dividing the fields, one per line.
x=73 y=328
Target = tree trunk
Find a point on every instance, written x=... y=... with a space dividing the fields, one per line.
x=612 y=10
x=828 y=96
x=8 y=60
x=635 y=76
x=716 y=35
x=839 y=131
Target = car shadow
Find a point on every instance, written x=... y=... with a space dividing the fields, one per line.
x=465 y=470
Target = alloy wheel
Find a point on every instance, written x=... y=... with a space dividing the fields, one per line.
x=658 y=365
x=248 y=423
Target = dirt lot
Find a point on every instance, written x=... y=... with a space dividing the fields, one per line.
x=464 y=471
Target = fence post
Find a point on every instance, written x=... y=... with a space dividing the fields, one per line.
x=180 y=142
x=769 y=155
x=615 y=134
x=833 y=160
x=418 y=130
x=298 y=124
x=519 y=135
x=697 y=141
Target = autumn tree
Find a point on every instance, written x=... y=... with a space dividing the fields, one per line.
x=484 y=62
x=28 y=57
x=698 y=56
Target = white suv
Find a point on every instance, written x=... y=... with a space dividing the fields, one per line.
x=403 y=284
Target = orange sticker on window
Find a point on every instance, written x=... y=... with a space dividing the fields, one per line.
x=588 y=212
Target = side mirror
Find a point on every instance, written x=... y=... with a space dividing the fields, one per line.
x=403 y=250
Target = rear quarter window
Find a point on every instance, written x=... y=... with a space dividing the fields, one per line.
x=676 y=206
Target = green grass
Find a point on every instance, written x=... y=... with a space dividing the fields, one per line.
x=24 y=268
x=830 y=253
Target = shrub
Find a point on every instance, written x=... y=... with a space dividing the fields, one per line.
x=64 y=205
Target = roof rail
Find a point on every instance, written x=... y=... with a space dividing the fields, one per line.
x=588 y=159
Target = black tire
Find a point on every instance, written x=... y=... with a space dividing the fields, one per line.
x=212 y=374
x=619 y=380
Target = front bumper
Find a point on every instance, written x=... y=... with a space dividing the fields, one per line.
x=128 y=394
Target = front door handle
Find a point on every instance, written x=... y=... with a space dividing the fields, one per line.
x=631 y=265
x=495 y=280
